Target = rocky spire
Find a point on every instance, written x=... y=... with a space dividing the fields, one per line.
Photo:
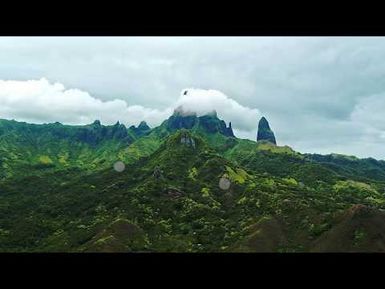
x=229 y=131
x=264 y=131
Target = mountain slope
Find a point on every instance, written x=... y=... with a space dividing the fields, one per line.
x=30 y=148
x=171 y=207
x=358 y=229
x=188 y=186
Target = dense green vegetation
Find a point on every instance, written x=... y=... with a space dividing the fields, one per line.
x=59 y=192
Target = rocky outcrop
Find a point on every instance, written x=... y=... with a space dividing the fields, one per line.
x=95 y=133
x=187 y=140
x=143 y=126
x=141 y=130
x=117 y=131
x=264 y=132
x=209 y=123
x=229 y=131
x=180 y=120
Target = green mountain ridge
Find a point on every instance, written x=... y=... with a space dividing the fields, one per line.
x=59 y=193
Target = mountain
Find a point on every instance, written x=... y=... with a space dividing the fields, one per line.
x=358 y=229
x=209 y=123
x=264 y=131
x=189 y=185
x=141 y=130
x=29 y=148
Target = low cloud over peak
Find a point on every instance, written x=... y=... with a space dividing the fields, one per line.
x=319 y=94
x=202 y=101
x=41 y=101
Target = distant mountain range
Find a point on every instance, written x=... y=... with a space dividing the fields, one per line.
x=188 y=185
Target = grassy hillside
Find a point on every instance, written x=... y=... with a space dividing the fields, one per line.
x=182 y=190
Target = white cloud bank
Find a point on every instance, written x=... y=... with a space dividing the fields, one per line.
x=40 y=101
x=204 y=101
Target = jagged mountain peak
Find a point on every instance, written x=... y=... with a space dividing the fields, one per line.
x=143 y=126
x=97 y=123
x=141 y=130
x=175 y=179
x=208 y=123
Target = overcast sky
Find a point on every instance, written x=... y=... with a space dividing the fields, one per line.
x=320 y=94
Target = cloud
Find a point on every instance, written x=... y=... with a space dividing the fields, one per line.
x=204 y=101
x=320 y=94
x=369 y=111
x=40 y=101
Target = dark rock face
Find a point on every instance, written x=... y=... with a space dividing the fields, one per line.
x=118 y=131
x=212 y=124
x=95 y=133
x=229 y=131
x=209 y=123
x=141 y=130
x=143 y=126
x=264 y=132
x=177 y=121
x=96 y=123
